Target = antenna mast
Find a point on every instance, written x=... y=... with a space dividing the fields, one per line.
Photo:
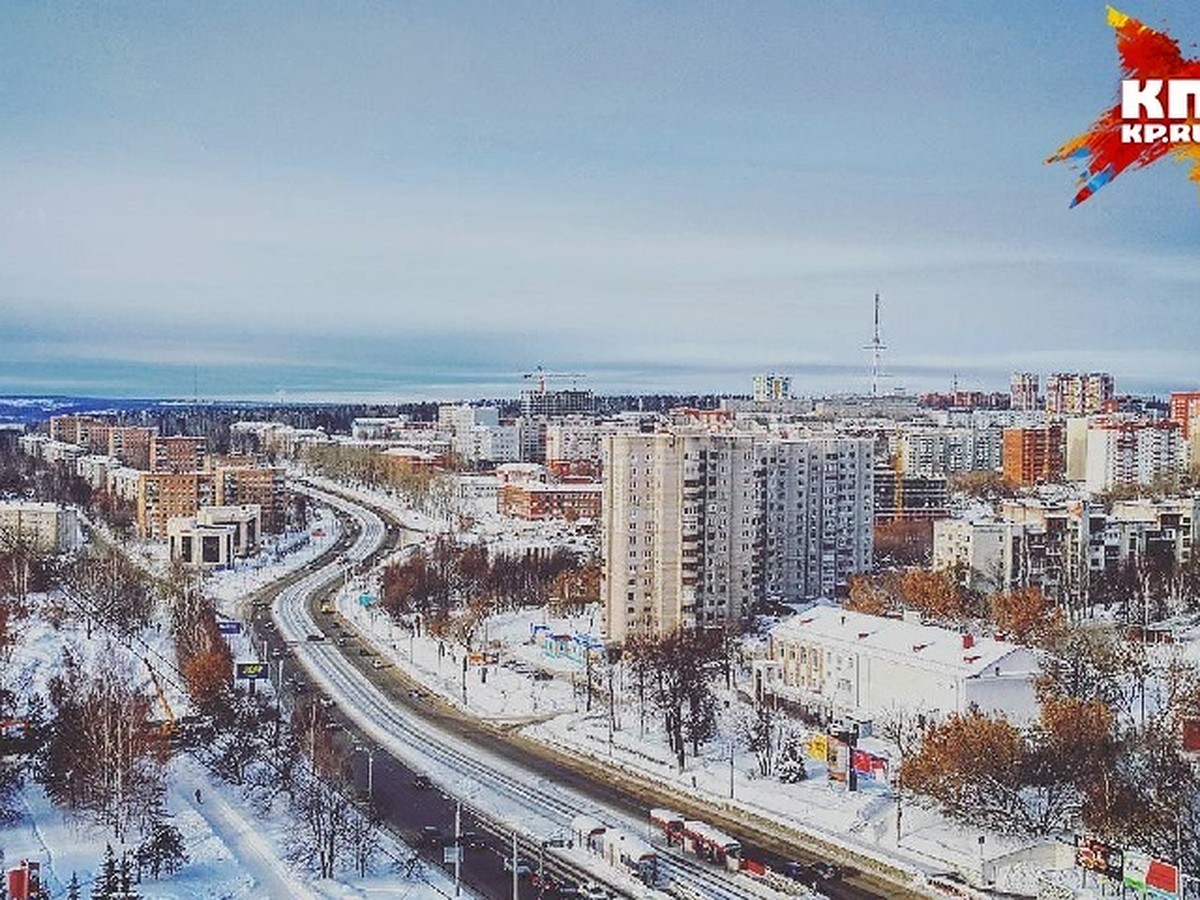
x=876 y=348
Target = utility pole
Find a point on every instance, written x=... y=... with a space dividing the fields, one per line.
x=516 y=880
x=457 y=845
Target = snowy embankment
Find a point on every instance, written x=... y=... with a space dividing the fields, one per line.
x=234 y=849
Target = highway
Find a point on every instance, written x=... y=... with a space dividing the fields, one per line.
x=507 y=782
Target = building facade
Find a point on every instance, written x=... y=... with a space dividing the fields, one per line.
x=841 y=664
x=1035 y=455
x=699 y=525
x=1078 y=394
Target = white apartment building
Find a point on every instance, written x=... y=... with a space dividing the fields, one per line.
x=698 y=525
x=1062 y=547
x=981 y=550
x=847 y=664
x=579 y=441
x=769 y=386
x=1078 y=394
x=1131 y=452
x=491 y=443
x=937 y=452
x=94 y=470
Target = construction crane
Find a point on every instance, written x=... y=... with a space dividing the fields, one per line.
x=541 y=375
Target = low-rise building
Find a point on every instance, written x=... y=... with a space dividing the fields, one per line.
x=533 y=500
x=838 y=663
x=203 y=546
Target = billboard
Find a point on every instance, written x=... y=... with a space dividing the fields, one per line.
x=1151 y=876
x=253 y=671
x=1096 y=856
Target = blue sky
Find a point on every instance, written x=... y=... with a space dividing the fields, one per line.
x=395 y=200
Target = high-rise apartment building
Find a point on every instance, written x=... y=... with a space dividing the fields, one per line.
x=177 y=453
x=1132 y=452
x=819 y=515
x=1023 y=391
x=770 y=387
x=1185 y=409
x=539 y=407
x=1034 y=455
x=699 y=525
x=1076 y=394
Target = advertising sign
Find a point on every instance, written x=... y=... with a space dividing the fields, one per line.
x=1096 y=856
x=818 y=747
x=253 y=671
x=229 y=627
x=1151 y=876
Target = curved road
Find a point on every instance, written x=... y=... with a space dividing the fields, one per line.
x=382 y=706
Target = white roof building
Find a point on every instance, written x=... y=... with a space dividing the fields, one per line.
x=842 y=663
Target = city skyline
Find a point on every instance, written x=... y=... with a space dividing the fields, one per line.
x=399 y=203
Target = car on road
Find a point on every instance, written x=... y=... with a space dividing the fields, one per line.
x=826 y=871
x=422 y=782
x=524 y=867
x=471 y=839
x=542 y=675
x=379 y=664
x=431 y=836
x=314 y=637
x=594 y=891
x=813 y=874
x=364 y=651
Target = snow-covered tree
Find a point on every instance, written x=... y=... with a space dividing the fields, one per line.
x=163 y=850
x=789 y=768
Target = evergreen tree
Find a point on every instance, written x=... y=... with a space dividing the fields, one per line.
x=105 y=887
x=73 y=887
x=790 y=766
x=125 y=879
x=162 y=850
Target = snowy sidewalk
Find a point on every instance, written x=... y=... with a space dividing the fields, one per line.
x=242 y=838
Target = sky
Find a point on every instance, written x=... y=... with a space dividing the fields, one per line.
x=397 y=201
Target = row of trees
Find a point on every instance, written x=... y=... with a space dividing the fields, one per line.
x=420 y=488
x=453 y=586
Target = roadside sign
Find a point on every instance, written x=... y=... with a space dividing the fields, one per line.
x=365 y=599
x=229 y=627
x=1151 y=876
x=1096 y=856
x=451 y=854
x=253 y=671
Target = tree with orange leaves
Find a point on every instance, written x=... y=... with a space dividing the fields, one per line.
x=1024 y=615
x=935 y=594
x=868 y=596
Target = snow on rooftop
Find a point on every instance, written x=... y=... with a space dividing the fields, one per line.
x=912 y=643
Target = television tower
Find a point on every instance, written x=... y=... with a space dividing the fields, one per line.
x=876 y=348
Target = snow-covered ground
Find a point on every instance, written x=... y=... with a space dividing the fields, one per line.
x=234 y=850
x=554 y=711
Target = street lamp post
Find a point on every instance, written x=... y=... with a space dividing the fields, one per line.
x=370 y=751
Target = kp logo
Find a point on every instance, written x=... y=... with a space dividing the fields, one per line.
x=1159 y=111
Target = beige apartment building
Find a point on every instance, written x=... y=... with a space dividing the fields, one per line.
x=698 y=525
